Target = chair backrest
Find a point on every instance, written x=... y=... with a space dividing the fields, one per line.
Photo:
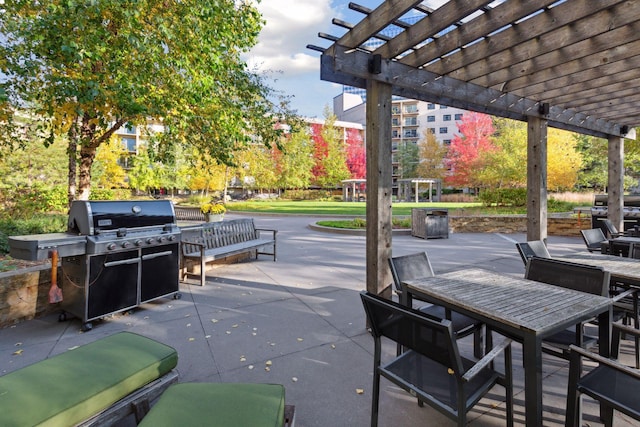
x=634 y=250
x=569 y=275
x=427 y=335
x=611 y=229
x=532 y=248
x=593 y=238
x=409 y=267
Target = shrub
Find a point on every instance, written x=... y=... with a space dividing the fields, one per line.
x=39 y=224
x=503 y=197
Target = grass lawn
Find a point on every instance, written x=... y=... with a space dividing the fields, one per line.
x=336 y=208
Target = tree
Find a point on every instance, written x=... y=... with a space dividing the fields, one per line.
x=432 y=154
x=563 y=161
x=356 y=155
x=408 y=157
x=294 y=161
x=107 y=171
x=464 y=157
x=84 y=69
x=330 y=167
x=504 y=166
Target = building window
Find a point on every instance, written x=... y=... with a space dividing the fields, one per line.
x=446 y=142
x=442 y=107
x=431 y=106
x=458 y=116
x=395 y=122
x=444 y=130
x=413 y=108
x=395 y=110
x=431 y=118
x=411 y=121
x=129 y=144
x=410 y=133
x=432 y=130
x=446 y=117
x=130 y=129
x=394 y=134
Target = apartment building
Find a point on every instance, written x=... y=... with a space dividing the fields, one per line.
x=409 y=121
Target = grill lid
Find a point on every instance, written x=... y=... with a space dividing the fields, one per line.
x=89 y=218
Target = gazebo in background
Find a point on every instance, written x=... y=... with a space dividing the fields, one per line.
x=405 y=185
x=357 y=187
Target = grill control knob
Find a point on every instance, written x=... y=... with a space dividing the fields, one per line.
x=161 y=239
x=149 y=240
x=111 y=246
x=126 y=244
x=138 y=242
x=172 y=238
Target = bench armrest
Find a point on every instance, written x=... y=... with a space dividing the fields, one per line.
x=193 y=243
x=269 y=230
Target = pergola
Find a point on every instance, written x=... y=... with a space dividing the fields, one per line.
x=404 y=188
x=354 y=185
x=570 y=64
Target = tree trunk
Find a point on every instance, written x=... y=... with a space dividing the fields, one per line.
x=72 y=155
x=87 y=155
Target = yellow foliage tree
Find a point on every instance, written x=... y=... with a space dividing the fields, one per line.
x=106 y=170
x=431 y=153
x=563 y=161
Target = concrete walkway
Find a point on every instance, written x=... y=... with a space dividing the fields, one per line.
x=299 y=321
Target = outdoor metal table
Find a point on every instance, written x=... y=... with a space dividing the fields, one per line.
x=524 y=310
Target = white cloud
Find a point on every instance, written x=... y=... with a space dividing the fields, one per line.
x=290 y=26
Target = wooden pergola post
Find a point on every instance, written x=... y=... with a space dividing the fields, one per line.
x=379 y=187
x=536 y=178
x=615 y=192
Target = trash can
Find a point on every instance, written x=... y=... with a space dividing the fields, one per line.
x=430 y=223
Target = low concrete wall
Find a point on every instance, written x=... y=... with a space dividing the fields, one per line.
x=569 y=226
x=24 y=294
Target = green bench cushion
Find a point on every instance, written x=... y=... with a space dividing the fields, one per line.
x=69 y=388
x=218 y=405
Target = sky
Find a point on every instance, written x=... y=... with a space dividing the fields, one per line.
x=282 y=54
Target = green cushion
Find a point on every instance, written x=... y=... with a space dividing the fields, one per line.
x=218 y=405
x=73 y=386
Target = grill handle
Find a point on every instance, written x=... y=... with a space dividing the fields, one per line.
x=156 y=255
x=122 y=262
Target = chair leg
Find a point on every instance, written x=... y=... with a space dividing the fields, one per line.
x=478 y=338
x=573 y=411
x=508 y=369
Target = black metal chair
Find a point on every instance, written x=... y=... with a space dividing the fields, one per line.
x=532 y=248
x=612 y=230
x=417 y=265
x=595 y=240
x=432 y=368
x=579 y=277
x=611 y=383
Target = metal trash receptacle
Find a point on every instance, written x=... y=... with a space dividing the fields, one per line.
x=430 y=223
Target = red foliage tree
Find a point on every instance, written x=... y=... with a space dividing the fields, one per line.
x=465 y=153
x=319 y=150
x=356 y=156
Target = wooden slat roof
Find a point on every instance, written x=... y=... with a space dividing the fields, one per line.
x=574 y=62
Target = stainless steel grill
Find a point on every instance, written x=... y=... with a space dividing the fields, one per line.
x=630 y=212
x=115 y=256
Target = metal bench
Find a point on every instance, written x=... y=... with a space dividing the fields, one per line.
x=217 y=240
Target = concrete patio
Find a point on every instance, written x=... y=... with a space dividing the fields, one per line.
x=299 y=321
